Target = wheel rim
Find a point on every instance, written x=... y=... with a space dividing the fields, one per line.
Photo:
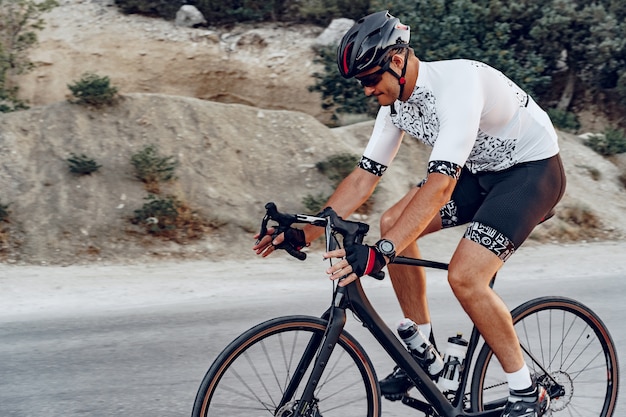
x=569 y=343
x=253 y=378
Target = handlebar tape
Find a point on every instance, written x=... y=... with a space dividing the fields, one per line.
x=380 y=275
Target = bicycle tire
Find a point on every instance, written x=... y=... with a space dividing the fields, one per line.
x=572 y=344
x=251 y=374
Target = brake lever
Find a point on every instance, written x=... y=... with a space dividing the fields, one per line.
x=263 y=230
x=283 y=223
x=271 y=213
x=352 y=235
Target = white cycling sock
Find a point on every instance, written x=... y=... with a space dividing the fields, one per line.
x=519 y=380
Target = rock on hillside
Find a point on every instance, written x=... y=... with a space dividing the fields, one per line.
x=233 y=159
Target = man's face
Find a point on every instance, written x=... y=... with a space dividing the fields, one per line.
x=380 y=83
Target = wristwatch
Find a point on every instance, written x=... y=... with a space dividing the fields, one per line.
x=387 y=248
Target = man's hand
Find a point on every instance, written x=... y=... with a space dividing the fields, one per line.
x=359 y=260
x=292 y=238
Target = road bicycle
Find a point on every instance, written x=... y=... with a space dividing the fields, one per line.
x=304 y=366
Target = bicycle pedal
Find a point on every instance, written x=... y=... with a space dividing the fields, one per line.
x=395 y=397
x=422 y=406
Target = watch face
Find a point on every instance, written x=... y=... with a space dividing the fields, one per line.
x=386 y=246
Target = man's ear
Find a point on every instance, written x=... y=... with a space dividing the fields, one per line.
x=398 y=60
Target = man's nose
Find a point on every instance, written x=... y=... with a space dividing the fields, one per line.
x=369 y=90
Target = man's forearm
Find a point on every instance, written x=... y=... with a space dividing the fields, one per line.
x=349 y=195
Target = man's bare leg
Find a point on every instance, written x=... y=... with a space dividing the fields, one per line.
x=409 y=282
x=470 y=272
x=471 y=269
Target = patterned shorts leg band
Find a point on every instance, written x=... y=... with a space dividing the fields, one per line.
x=491 y=239
x=449 y=215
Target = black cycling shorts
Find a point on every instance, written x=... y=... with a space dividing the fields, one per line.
x=503 y=207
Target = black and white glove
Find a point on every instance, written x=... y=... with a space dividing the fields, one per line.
x=364 y=259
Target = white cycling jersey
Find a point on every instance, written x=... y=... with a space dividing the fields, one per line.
x=471 y=114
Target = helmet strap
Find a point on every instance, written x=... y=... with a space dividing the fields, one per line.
x=401 y=79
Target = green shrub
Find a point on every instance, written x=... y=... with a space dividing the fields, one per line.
x=337 y=167
x=564 y=120
x=93 y=90
x=5 y=234
x=20 y=20
x=314 y=203
x=321 y=12
x=152 y=168
x=237 y=11
x=4 y=212
x=9 y=101
x=158 y=8
x=594 y=172
x=170 y=218
x=339 y=94
x=622 y=179
x=611 y=142
x=82 y=164
x=159 y=215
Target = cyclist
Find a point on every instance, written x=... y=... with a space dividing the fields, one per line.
x=494 y=164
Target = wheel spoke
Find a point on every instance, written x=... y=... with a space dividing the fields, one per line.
x=263 y=371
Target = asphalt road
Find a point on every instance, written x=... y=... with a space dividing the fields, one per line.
x=147 y=359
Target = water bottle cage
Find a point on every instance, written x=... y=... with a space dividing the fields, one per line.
x=424 y=359
x=450 y=368
x=427 y=361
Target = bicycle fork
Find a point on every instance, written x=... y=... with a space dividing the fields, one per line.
x=318 y=350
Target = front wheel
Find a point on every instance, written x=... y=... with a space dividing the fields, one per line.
x=264 y=372
x=570 y=352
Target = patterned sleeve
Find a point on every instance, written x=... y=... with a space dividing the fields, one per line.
x=383 y=144
x=372 y=166
x=446 y=168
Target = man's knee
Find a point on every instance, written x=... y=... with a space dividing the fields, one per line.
x=461 y=284
x=387 y=220
x=467 y=284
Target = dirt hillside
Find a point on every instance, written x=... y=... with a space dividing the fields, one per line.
x=233 y=157
x=268 y=66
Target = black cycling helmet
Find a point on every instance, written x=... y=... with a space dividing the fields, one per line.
x=364 y=46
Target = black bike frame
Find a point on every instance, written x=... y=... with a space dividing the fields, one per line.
x=353 y=297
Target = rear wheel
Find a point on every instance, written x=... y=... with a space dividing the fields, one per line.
x=569 y=350
x=265 y=370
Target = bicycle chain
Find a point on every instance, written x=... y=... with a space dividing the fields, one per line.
x=494 y=386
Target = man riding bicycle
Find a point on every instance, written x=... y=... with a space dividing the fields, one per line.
x=494 y=164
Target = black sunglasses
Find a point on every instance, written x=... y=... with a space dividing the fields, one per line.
x=370 y=80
